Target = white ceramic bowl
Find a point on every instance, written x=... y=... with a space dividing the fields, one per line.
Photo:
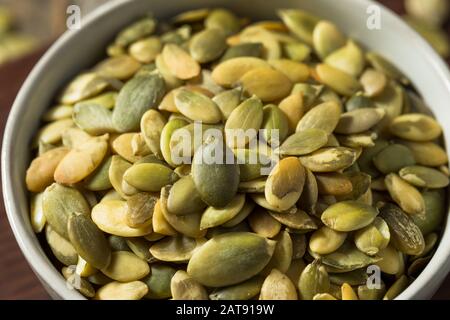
x=78 y=50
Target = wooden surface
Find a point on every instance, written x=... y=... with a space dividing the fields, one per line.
x=17 y=281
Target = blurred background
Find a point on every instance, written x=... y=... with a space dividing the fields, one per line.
x=28 y=28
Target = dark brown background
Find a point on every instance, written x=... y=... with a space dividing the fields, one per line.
x=17 y=281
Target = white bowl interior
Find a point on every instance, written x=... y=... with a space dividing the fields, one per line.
x=78 y=50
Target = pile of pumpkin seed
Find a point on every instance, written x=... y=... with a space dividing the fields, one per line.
x=360 y=183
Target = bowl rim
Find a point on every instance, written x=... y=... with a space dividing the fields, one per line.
x=40 y=263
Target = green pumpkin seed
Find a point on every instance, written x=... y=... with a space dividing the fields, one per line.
x=159 y=282
x=59 y=202
x=184 y=198
x=61 y=248
x=295 y=219
x=373 y=238
x=329 y=159
x=262 y=223
x=134 y=290
x=424 y=177
x=266 y=83
x=118 y=243
x=52 y=132
x=300 y=23
x=373 y=82
x=183 y=287
x=381 y=64
x=405 y=234
x=433 y=13
x=111 y=217
x=191 y=16
x=399 y=285
x=216 y=183
x=359 y=120
x=241 y=215
x=160 y=224
x=327 y=38
x=230 y=259
x=37 y=215
x=296 y=72
x=404 y=194
x=282 y=256
x=140 y=247
x=349 y=59
x=99 y=179
x=197 y=106
x=224 y=20
x=179 y=62
x=149 y=177
x=136 y=31
x=126 y=267
x=229 y=72
x=146 y=50
x=93 y=118
x=58 y=112
x=361 y=183
x=427 y=153
x=130 y=107
x=227 y=101
x=243 y=291
x=303 y=142
x=258 y=34
x=121 y=68
x=253 y=186
x=365 y=161
x=140 y=209
x=416 y=127
x=213 y=217
x=324 y=116
x=176 y=249
x=252 y=163
x=88 y=241
x=116 y=171
x=166 y=136
x=313 y=280
x=348 y=216
x=293 y=107
x=246 y=49
x=274 y=119
x=334 y=184
x=76 y=282
x=348 y=258
x=83 y=87
x=358 y=101
x=277 y=286
x=434 y=211
x=326 y=240
x=393 y=158
x=353 y=278
x=366 y=293
x=340 y=81
x=188 y=225
x=207 y=45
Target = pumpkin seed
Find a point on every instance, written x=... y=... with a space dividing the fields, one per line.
x=243 y=291
x=433 y=13
x=230 y=259
x=134 y=290
x=229 y=72
x=366 y=293
x=327 y=38
x=381 y=64
x=432 y=217
x=99 y=179
x=176 y=249
x=262 y=223
x=121 y=68
x=136 y=31
x=191 y=16
x=334 y=184
x=359 y=120
x=93 y=118
x=140 y=209
x=59 y=202
x=373 y=82
x=295 y=219
x=213 y=217
x=224 y=20
x=296 y=72
x=258 y=34
x=252 y=163
x=149 y=177
x=188 y=225
x=282 y=256
x=37 y=215
x=83 y=87
x=348 y=216
x=353 y=278
x=348 y=293
x=393 y=158
x=130 y=107
x=324 y=116
x=207 y=45
x=183 y=198
x=197 y=106
x=140 y=247
x=216 y=183
x=293 y=107
x=329 y=159
x=183 y=287
x=179 y=62
x=118 y=243
x=416 y=127
x=241 y=215
x=111 y=217
x=405 y=234
x=159 y=281
x=52 y=132
x=274 y=119
x=399 y=285
x=338 y=80
x=41 y=170
x=160 y=224
x=58 y=112
x=76 y=282
x=247 y=49
x=61 y=248
x=116 y=171
x=277 y=286
x=303 y=142
x=166 y=136
x=404 y=194
x=326 y=240
x=426 y=153
x=297 y=51
x=349 y=59
x=253 y=186
x=373 y=238
x=266 y=83
x=300 y=23
x=227 y=101
x=424 y=177
x=348 y=258
x=146 y=50
x=324 y=296
x=313 y=280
